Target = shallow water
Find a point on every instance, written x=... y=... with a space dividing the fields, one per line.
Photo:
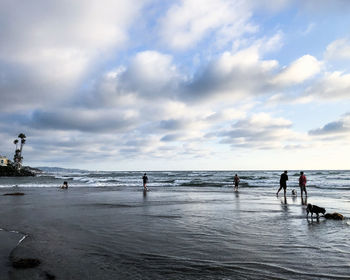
x=324 y=180
x=182 y=232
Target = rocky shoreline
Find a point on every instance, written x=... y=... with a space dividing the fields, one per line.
x=10 y=171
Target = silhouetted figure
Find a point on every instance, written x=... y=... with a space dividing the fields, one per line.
x=236 y=182
x=302 y=183
x=65 y=185
x=283 y=182
x=145 y=181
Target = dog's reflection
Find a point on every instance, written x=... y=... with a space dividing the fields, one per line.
x=312 y=220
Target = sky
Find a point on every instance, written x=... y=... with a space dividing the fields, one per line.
x=176 y=84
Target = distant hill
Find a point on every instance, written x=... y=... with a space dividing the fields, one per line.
x=59 y=169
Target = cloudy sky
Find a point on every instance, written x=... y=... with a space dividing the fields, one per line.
x=176 y=84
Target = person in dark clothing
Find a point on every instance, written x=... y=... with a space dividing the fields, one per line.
x=145 y=181
x=236 y=181
x=283 y=182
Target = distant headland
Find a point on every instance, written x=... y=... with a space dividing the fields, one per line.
x=15 y=168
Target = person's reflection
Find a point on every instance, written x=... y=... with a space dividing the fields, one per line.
x=144 y=194
x=284 y=201
x=237 y=194
x=303 y=200
x=284 y=206
x=237 y=205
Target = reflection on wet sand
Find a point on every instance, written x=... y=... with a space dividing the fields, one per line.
x=303 y=200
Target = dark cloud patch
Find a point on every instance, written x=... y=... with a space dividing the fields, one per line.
x=173 y=124
x=133 y=151
x=330 y=128
x=86 y=121
x=341 y=126
x=170 y=137
x=21 y=88
x=237 y=82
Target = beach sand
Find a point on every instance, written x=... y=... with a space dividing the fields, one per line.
x=171 y=233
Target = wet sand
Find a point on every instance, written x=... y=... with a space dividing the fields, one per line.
x=172 y=233
x=9 y=241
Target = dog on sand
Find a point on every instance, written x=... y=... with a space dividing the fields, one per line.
x=334 y=216
x=314 y=209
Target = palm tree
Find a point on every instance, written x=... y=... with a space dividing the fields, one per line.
x=16 y=142
x=23 y=141
x=18 y=153
x=21 y=135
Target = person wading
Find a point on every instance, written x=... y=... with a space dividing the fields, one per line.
x=145 y=181
x=283 y=183
x=236 y=182
x=302 y=183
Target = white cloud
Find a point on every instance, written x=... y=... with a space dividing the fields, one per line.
x=189 y=21
x=335 y=85
x=150 y=73
x=300 y=70
x=260 y=131
x=281 y=98
x=50 y=46
x=232 y=76
x=338 y=50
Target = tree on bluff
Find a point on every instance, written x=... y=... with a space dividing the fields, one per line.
x=17 y=158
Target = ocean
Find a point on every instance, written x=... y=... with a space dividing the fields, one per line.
x=190 y=225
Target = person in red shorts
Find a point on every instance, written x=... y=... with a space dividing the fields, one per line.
x=302 y=183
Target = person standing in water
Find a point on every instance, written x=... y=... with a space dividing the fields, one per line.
x=145 y=181
x=236 y=181
x=302 y=183
x=283 y=183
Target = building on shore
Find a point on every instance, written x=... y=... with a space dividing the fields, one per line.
x=3 y=161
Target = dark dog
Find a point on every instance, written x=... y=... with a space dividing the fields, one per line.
x=314 y=209
x=334 y=216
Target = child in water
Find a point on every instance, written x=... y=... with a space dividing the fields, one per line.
x=65 y=185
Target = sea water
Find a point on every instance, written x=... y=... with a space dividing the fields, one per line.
x=190 y=225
